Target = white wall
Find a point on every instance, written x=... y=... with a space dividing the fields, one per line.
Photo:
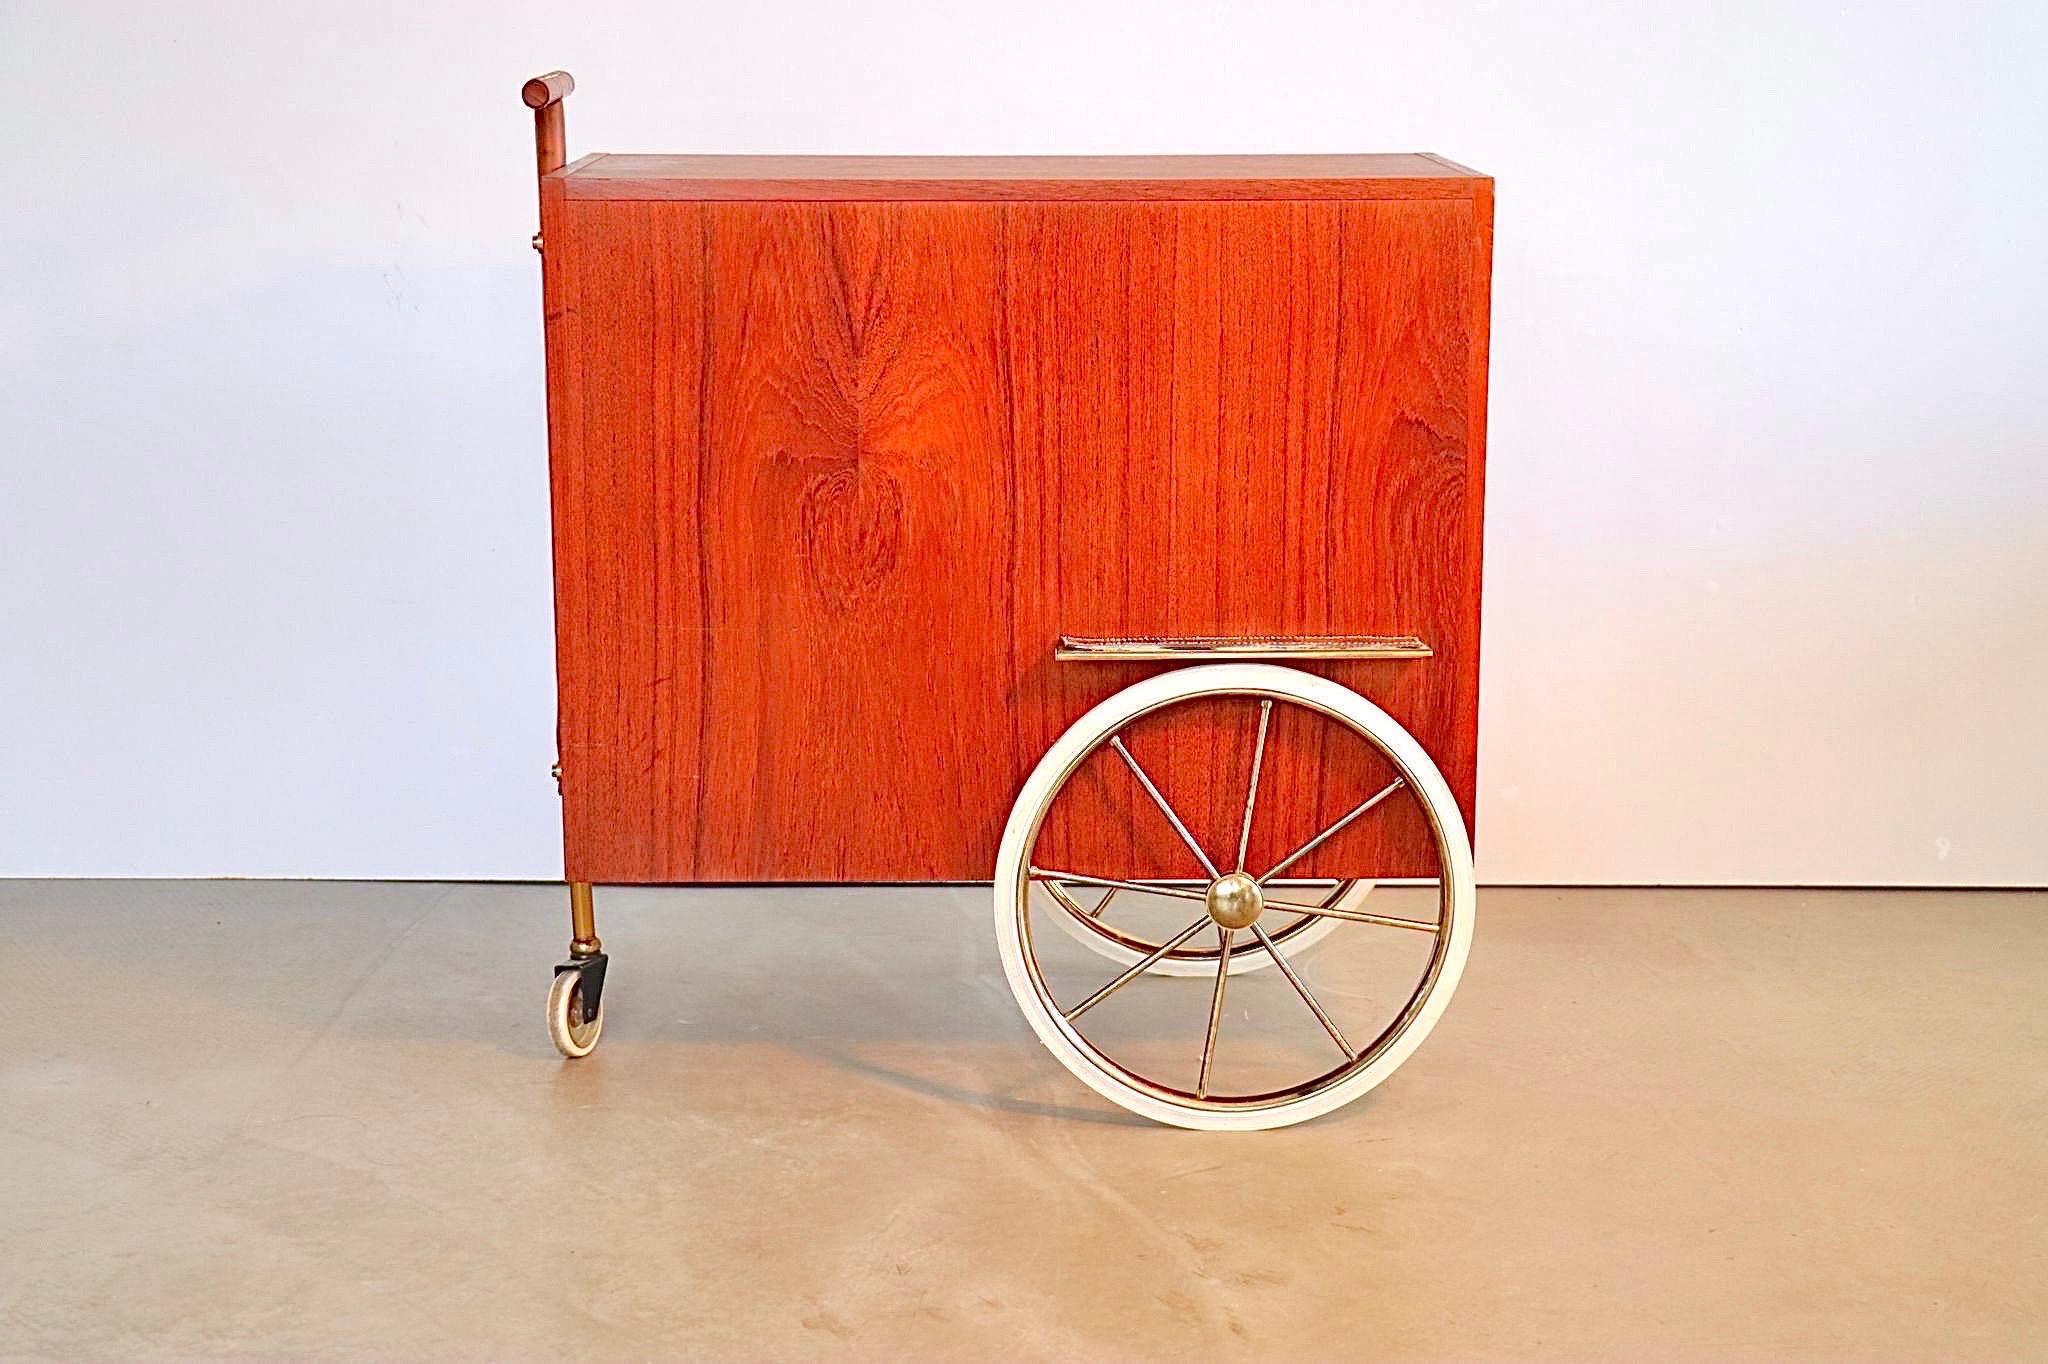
x=1767 y=590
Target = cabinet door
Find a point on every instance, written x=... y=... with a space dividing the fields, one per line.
x=831 y=479
x=784 y=541
x=1252 y=419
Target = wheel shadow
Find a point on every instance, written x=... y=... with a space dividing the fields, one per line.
x=929 y=1087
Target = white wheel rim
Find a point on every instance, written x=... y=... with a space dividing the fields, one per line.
x=1374 y=1063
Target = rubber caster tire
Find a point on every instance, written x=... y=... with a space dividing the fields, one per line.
x=565 y=1002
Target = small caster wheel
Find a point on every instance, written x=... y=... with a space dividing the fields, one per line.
x=573 y=1033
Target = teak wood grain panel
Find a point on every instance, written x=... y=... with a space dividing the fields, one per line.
x=831 y=478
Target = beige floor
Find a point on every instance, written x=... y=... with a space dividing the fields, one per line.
x=268 y=1120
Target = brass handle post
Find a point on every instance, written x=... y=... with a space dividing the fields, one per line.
x=544 y=95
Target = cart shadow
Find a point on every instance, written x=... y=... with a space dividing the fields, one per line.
x=1359 y=1109
x=898 y=987
x=928 y=1087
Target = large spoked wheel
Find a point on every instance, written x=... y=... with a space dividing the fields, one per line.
x=1238 y=911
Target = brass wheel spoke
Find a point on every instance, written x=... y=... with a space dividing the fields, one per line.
x=1300 y=988
x=1355 y=916
x=1337 y=893
x=1116 y=741
x=1067 y=900
x=1305 y=849
x=1251 y=795
x=1176 y=892
x=1338 y=890
x=1223 y=936
x=1137 y=970
x=1103 y=903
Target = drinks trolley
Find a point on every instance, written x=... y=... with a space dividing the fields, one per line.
x=928 y=519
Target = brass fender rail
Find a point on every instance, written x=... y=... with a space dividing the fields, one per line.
x=1077 y=648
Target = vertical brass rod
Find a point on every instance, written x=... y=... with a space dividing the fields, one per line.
x=582 y=922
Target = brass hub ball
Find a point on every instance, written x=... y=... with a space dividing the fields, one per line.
x=1235 y=900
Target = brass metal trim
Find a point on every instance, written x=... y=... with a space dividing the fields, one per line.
x=1114 y=649
x=583 y=941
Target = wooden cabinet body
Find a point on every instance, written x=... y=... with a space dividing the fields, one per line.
x=840 y=448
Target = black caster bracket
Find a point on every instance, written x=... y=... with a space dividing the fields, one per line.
x=591 y=988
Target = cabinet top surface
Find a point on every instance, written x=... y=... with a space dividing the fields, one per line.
x=1385 y=175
